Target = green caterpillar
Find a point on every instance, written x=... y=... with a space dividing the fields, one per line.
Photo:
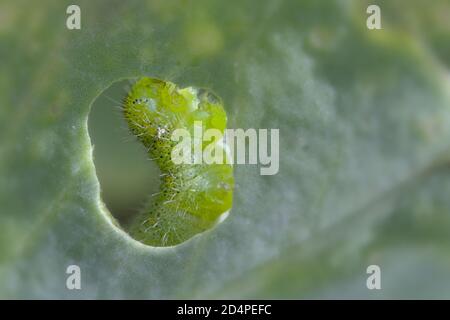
x=192 y=197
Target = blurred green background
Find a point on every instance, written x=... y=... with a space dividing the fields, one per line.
x=364 y=119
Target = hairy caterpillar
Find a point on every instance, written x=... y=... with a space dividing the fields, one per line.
x=192 y=197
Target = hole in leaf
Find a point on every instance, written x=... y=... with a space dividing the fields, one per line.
x=189 y=197
x=127 y=177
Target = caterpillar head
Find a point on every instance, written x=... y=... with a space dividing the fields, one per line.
x=154 y=106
